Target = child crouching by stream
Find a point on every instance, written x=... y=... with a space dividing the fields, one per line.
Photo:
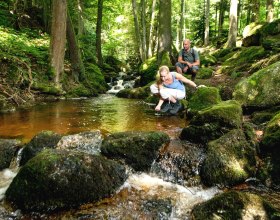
x=170 y=88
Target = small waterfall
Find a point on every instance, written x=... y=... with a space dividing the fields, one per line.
x=7 y=175
x=123 y=81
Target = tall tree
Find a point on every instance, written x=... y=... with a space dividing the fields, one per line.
x=58 y=38
x=181 y=24
x=150 y=46
x=81 y=25
x=255 y=5
x=223 y=4
x=77 y=64
x=207 y=28
x=143 y=19
x=136 y=26
x=269 y=10
x=98 y=33
x=164 y=34
x=232 y=33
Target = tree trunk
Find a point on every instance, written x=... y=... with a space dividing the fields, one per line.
x=181 y=26
x=269 y=10
x=81 y=25
x=98 y=33
x=47 y=7
x=206 y=32
x=144 y=42
x=164 y=40
x=232 y=33
x=77 y=64
x=136 y=26
x=255 y=5
x=58 y=38
x=221 y=17
x=150 y=47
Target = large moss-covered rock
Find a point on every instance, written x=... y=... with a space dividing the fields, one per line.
x=251 y=34
x=203 y=97
x=235 y=205
x=59 y=179
x=148 y=71
x=270 y=150
x=212 y=122
x=8 y=148
x=41 y=141
x=138 y=149
x=261 y=90
x=229 y=160
x=256 y=34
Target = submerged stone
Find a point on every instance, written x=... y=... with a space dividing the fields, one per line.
x=60 y=179
x=138 y=149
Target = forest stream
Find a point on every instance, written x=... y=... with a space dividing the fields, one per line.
x=152 y=195
x=147 y=194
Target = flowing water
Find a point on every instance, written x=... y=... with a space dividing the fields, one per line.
x=144 y=195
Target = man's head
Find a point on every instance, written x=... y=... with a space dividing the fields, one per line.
x=186 y=44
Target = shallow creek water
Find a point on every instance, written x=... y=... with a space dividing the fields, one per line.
x=143 y=195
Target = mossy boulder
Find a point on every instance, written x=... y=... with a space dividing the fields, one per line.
x=256 y=34
x=59 y=179
x=251 y=34
x=8 y=149
x=148 y=71
x=205 y=73
x=234 y=205
x=135 y=93
x=270 y=151
x=212 y=122
x=260 y=90
x=138 y=149
x=271 y=42
x=229 y=160
x=41 y=141
x=204 y=97
x=271 y=139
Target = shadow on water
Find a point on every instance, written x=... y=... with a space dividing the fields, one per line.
x=106 y=113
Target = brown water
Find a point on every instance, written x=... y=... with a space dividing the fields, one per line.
x=106 y=113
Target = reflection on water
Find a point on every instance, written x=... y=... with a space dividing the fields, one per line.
x=106 y=113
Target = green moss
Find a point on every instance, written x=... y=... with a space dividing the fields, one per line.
x=207 y=60
x=240 y=61
x=205 y=73
x=234 y=205
x=229 y=160
x=203 y=98
x=229 y=113
x=165 y=60
x=148 y=71
x=260 y=89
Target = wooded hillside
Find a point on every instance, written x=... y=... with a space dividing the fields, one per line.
x=73 y=48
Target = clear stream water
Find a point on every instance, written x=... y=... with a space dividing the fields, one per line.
x=143 y=195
